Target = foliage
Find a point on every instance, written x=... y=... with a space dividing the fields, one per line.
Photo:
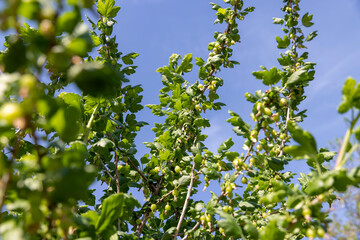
x=54 y=144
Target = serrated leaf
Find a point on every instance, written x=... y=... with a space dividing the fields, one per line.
x=228 y=223
x=227 y=144
x=306 y=20
x=311 y=36
x=268 y=77
x=107 y=8
x=271 y=232
x=278 y=20
x=128 y=58
x=297 y=77
x=307 y=148
x=116 y=206
x=283 y=42
x=184 y=180
x=347 y=95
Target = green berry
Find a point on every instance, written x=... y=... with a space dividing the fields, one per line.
x=167 y=207
x=244 y=180
x=153 y=207
x=283 y=102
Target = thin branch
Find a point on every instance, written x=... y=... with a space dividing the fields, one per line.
x=129 y=161
x=5 y=184
x=117 y=183
x=340 y=159
x=193 y=229
x=186 y=201
x=106 y=170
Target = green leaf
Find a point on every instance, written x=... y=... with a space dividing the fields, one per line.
x=73 y=100
x=228 y=223
x=67 y=21
x=271 y=232
x=185 y=65
x=306 y=20
x=251 y=231
x=268 y=77
x=15 y=56
x=283 y=43
x=29 y=9
x=241 y=128
x=116 y=206
x=226 y=145
x=297 y=77
x=66 y=123
x=184 y=180
x=311 y=36
x=307 y=148
x=107 y=8
x=96 y=79
x=199 y=61
x=128 y=58
x=278 y=20
x=347 y=95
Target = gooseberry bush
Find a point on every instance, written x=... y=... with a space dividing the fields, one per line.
x=54 y=144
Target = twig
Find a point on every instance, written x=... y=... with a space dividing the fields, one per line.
x=117 y=183
x=340 y=159
x=195 y=227
x=129 y=161
x=5 y=184
x=186 y=201
x=147 y=213
x=106 y=170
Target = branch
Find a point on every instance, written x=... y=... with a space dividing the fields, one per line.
x=340 y=159
x=195 y=227
x=186 y=201
x=106 y=170
x=5 y=184
x=129 y=161
x=117 y=184
x=147 y=213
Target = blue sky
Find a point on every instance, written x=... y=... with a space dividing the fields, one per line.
x=158 y=28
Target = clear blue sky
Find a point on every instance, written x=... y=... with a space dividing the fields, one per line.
x=158 y=28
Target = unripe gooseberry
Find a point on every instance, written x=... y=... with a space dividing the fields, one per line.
x=138 y=221
x=310 y=233
x=175 y=192
x=276 y=117
x=244 y=180
x=153 y=207
x=221 y=230
x=306 y=212
x=320 y=232
x=259 y=147
x=167 y=207
x=10 y=111
x=283 y=102
x=28 y=81
x=177 y=169
x=229 y=189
